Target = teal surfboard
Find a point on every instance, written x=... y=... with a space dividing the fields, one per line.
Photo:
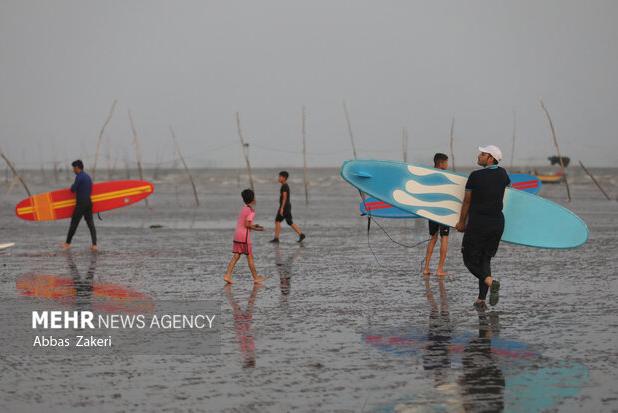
x=376 y=208
x=525 y=182
x=438 y=195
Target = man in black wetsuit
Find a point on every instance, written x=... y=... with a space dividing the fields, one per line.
x=82 y=187
x=483 y=206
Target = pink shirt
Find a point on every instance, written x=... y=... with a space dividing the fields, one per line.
x=243 y=234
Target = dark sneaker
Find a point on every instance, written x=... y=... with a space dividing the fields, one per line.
x=494 y=293
x=480 y=306
x=301 y=238
x=274 y=240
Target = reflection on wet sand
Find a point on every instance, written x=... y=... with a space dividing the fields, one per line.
x=437 y=351
x=436 y=357
x=482 y=382
x=242 y=324
x=285 y=269
x=82 y=292
x=84 y=287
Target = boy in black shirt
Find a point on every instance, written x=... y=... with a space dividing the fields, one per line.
x=285 y=209
x=440 y=161
x=483 y=206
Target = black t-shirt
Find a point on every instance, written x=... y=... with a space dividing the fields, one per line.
x=487 y=186
x=284 y=188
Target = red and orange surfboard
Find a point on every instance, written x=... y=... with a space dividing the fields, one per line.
x=105 y=297
x=60 y=204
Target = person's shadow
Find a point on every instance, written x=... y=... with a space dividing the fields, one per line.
x=436 y=357
x=84 y=287
x=482 y=382
x=242 y=324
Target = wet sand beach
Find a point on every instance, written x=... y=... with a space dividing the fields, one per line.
x=332 y=329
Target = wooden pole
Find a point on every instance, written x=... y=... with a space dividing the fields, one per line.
x=404 y=144
x=347 y=119
x=452 y=138
x=15 y=174
x=100 y=138
x=138 y=153
x=595 y=181
x=155 y=172
x=513 y=143
x=553 y=134
x=56 y=171
x=245 y=150
x=109 y=160
x=305 y=178
x=182 y=159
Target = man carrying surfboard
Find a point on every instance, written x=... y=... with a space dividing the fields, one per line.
x=440 y=161
x=482 y=206
x=82 y=187
x=284 y=210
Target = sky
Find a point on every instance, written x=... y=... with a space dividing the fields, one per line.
x=415 y=64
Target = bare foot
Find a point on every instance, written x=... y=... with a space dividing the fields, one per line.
x=441 y=273
x=259 y=279
x=426 y=272
x=66 y=246
x=94 y=248
x=228 y=279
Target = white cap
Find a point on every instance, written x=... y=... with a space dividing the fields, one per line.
x=493 y=150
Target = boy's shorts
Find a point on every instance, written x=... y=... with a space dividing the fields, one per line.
x=434 y=227
x=242 y=248
x=287 y=215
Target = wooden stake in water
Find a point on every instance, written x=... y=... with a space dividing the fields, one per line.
x=305 y=178
x=15 y=174
x=404 y=144
x=595 y=181
x=100 y=138
x=451 y=143
x=513 y=143
x=245 y=150
x=347 y=119
x=182 y=159
x=109 y=160
x=555 y=139
x=138 y=153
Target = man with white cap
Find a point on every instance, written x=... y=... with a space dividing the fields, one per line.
x=482 y=207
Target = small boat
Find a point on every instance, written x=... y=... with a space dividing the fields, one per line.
x=551 y=178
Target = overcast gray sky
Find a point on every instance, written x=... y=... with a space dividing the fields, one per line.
x=193 y=64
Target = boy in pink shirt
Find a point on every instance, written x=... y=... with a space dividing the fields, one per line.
x=242 y=238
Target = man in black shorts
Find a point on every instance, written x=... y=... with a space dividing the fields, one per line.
x=440 y=161
x=483 y=206
x=285 y=209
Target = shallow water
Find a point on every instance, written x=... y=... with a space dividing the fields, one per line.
x=334 y=328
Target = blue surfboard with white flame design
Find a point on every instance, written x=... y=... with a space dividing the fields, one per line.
x=438 y=195
x=379 y=209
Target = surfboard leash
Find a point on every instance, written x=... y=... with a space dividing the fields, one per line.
x=369 y=217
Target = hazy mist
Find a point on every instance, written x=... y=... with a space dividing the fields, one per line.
x=194 y=64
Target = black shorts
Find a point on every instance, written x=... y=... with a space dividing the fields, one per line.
x=434 y=227
x=287 y=215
